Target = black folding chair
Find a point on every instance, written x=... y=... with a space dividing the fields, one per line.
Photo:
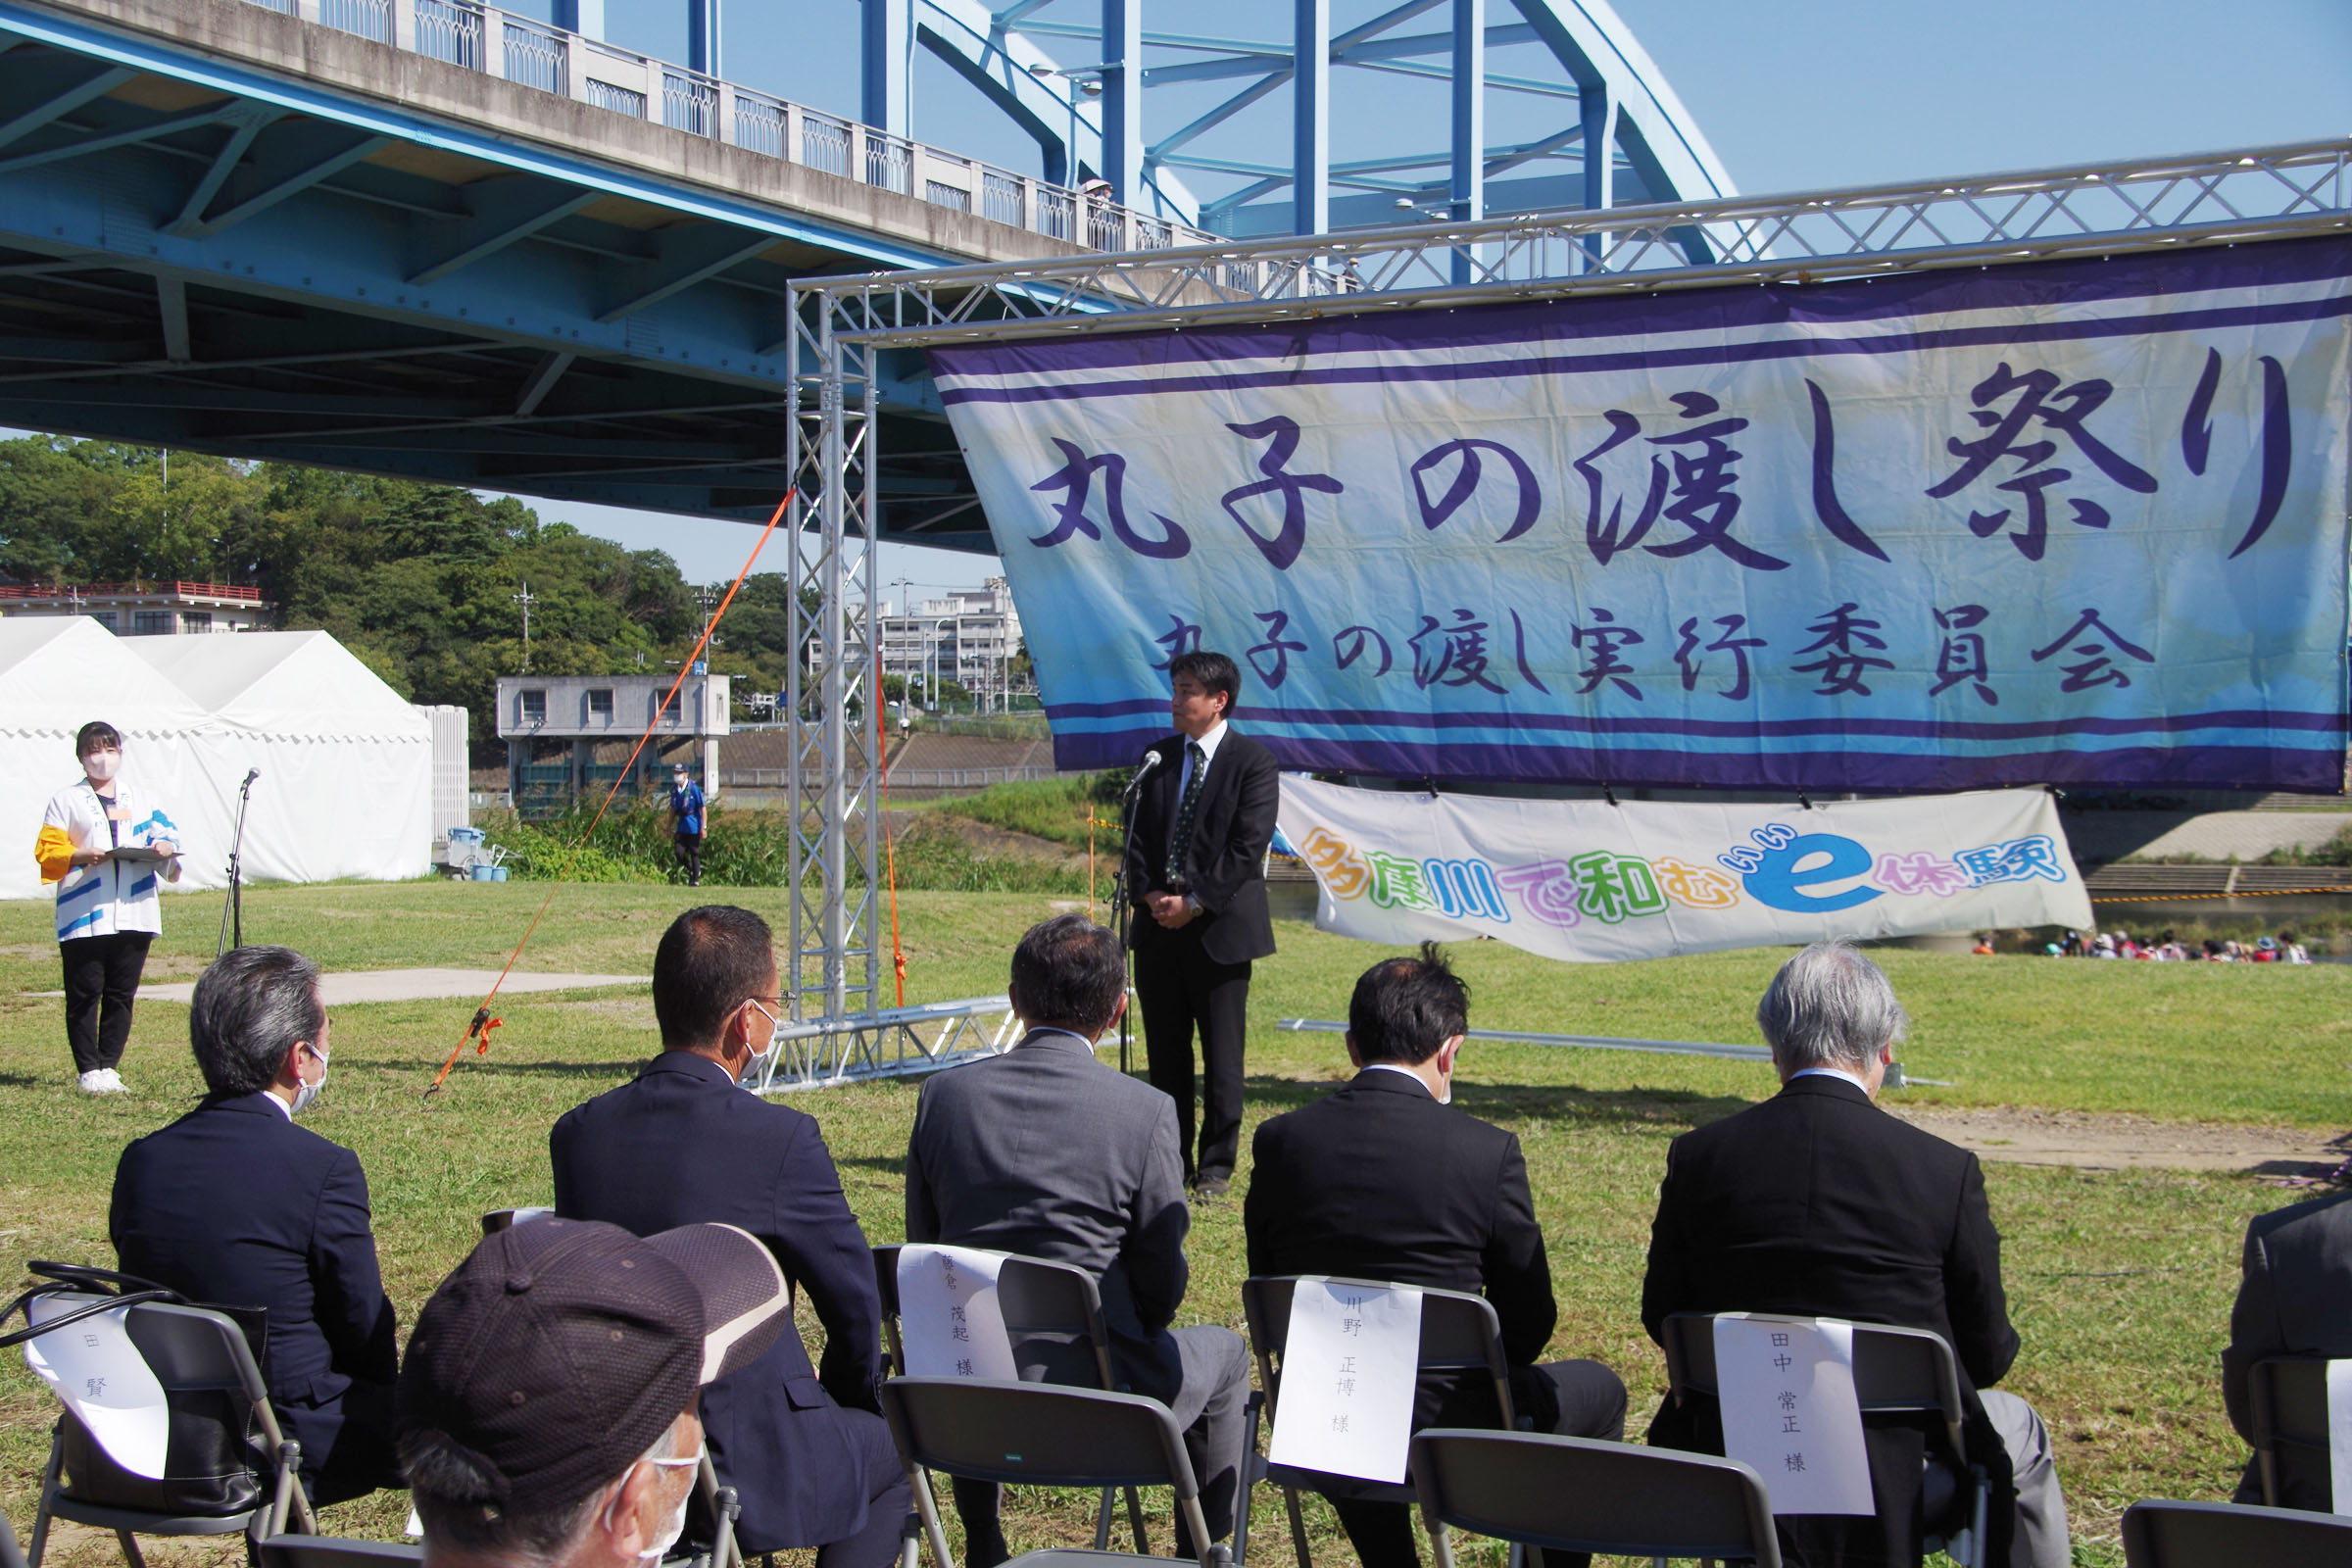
x=1040 y=1301
x=2229 y=1535
x=228 y=1466
x=333 y=1552
x=2289 y=1399
x=1039 y=1435
x=1895 y=1370
x=1459 y=1332
x=1534 y=1488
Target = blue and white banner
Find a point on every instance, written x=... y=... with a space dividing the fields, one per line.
x=1589 y=882
x=2077 y=523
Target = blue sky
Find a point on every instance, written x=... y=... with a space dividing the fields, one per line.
x=1804 y=94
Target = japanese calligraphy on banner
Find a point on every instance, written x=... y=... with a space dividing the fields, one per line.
x=1594 y=882
x=2059 y=522
x=103 y=1378
x=1790 y=1413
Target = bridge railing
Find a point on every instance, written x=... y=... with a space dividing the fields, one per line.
x=518 y=49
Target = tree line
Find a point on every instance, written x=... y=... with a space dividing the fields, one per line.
x=417 y=580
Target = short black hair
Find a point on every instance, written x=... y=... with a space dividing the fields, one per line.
x=96 y=733
x=709 y=959
x=252 y=1007
x=1069 y=973
x=1404 y=1009
x=1214 y=671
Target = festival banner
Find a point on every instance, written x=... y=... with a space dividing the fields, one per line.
x=1590 y=882
x=2078 y=522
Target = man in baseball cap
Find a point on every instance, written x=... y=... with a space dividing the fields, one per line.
x=547 y=1405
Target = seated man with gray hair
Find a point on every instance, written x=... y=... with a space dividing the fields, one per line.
x=1816 y=1203
x=235 y=1206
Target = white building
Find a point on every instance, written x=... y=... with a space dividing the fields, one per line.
x=145 y=609
x=969 y=637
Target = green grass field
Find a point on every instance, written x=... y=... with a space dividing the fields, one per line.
x=2120 y=1283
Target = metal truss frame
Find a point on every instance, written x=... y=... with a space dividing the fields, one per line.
x=898 y=1044
x=845 y=325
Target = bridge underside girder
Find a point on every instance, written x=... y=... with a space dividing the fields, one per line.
x=183 y=263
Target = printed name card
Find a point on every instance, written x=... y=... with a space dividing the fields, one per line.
x=1789 y=1413
x=1348 y=1367
x=94 y=1368
x=948 y=1316
x=2339 y=1432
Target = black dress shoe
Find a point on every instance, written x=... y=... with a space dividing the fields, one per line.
x=1208 y=1188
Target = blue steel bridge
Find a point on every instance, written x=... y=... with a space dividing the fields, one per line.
x=433 y=239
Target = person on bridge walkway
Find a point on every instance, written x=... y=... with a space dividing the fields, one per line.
x=106 y=846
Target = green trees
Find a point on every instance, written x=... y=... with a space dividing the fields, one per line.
x=417 y=580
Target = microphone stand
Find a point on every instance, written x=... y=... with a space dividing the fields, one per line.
x=232 y=914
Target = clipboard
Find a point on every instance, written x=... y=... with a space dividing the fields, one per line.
x=139 y=854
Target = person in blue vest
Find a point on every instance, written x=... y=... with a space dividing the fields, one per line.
x=686 y=823
x=106 y=846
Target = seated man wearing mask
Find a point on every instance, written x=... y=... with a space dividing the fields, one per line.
x=547 y=1405
x=805 y=1449
x=234 y=1206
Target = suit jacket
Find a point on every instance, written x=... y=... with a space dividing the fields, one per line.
x=1381 y=1182
x=235 y=1205
x=1225 y=862
x=2295 y=1299
x=1815 y=1203
x=1047 y=1152
x=682 y=1145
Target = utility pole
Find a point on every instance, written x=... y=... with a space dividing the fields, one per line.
x=526 y=599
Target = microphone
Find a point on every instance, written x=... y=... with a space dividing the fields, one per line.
x=251 y=775
x=1151 y=759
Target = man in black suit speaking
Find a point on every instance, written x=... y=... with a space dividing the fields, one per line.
x=1386 y=1181
x=1819 y=1204
x=1196 y=873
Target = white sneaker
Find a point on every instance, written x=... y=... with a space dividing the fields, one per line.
x=103 y=1081
x=113 y=1082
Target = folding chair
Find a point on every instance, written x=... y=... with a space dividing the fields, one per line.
x=1039 y=1435
x=333 y=1552
x=1534 y=1488
x=1459 y=1332
x=1895 y=1370
x=228 y=1466
x=2289 y=1396
x=2229 y=1535
x=1040 y=1301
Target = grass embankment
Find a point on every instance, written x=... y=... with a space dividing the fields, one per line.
x=1066 y=810
x=2120 y=1283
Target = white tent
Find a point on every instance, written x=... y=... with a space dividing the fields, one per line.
x=57 y=673
x=346 y=766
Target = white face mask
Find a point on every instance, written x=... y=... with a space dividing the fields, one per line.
x=676 y=1526
x=102 y=767
x=305 y=1093
x=761 y=1060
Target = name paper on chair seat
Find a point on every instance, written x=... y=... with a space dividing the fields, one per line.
x=1789 y=1413
x=1348 y=1361
x=2339 y=1432
x=103 y=1378
x=948 y=1317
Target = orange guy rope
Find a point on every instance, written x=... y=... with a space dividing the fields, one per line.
x=482 y=1023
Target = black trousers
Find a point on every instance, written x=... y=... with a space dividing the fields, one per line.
x=102 y=977
x=688 y=848
x=1573 y=1398
x=1181 y=989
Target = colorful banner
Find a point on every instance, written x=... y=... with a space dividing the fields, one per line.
x=1589 y=882
x=2078 y=522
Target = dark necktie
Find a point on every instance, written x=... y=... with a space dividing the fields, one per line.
x=1182 y=838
